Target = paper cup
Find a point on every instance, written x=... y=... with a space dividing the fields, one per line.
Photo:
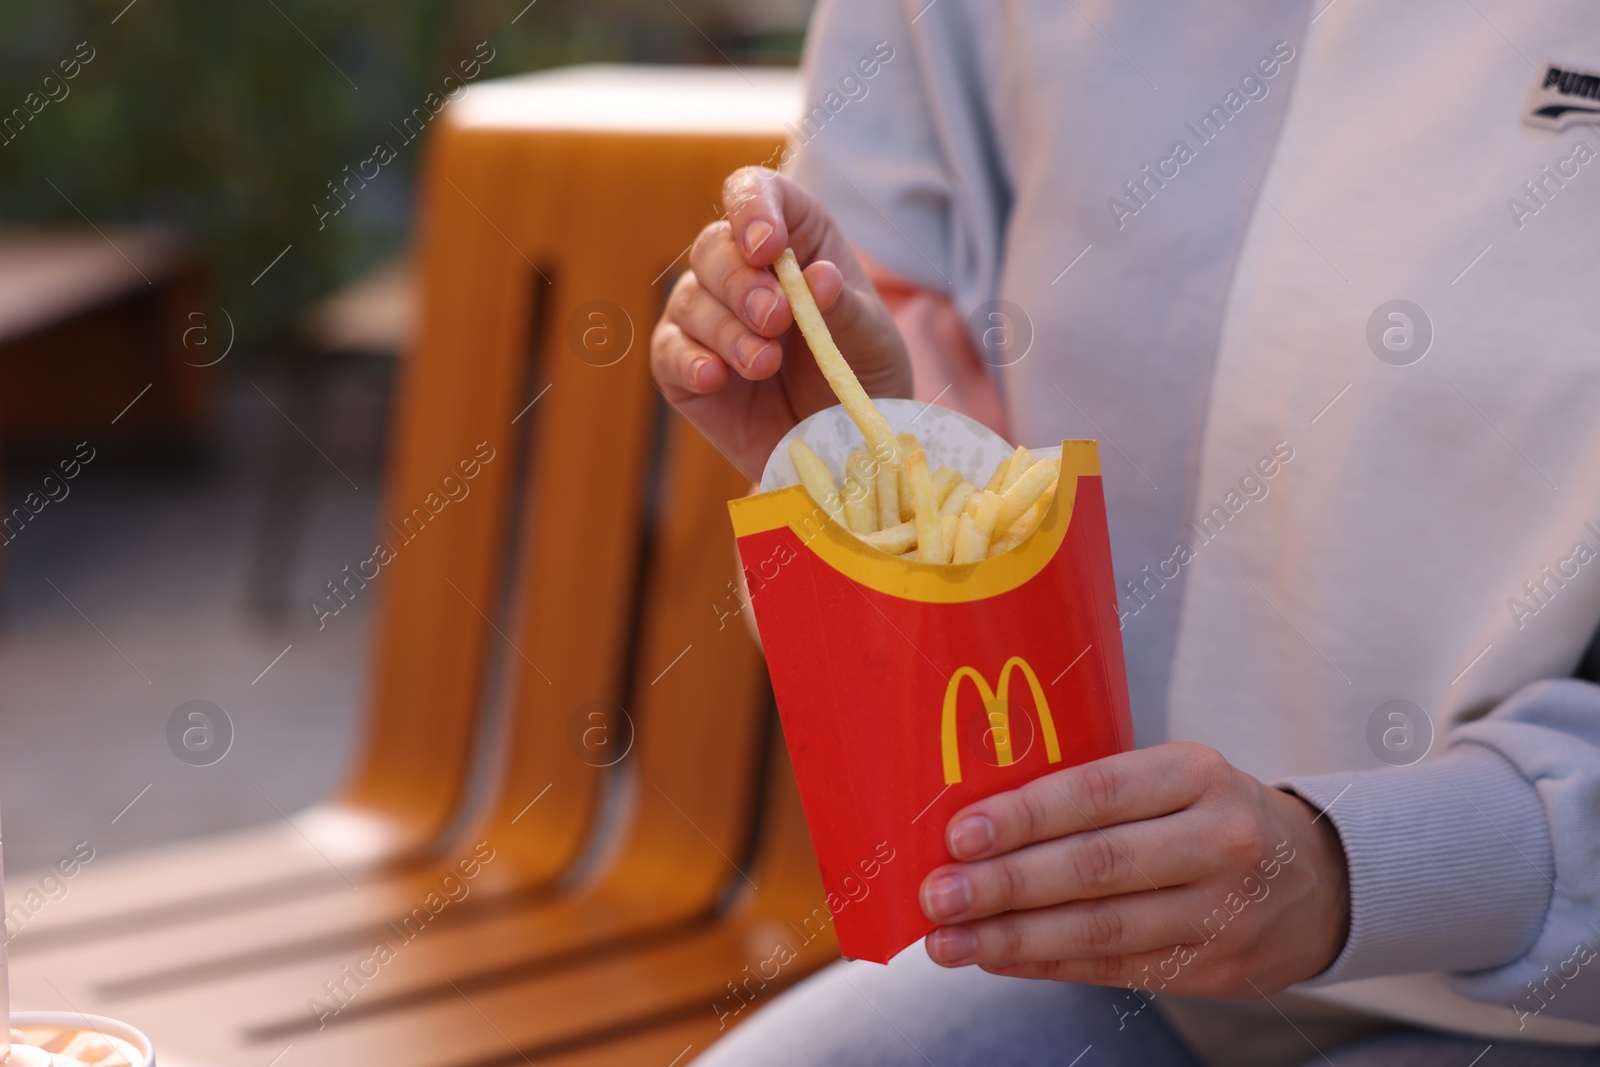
x=908 y=690
x=48 y=1029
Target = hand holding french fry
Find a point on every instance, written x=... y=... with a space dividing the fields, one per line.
x=726 y=353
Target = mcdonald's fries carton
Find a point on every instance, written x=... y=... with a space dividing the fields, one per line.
x=908 y=690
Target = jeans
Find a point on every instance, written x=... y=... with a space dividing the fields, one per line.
x=914 y=1013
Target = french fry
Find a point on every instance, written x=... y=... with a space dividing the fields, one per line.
x=930 y=531
x=948 y=523
x=966 y=540
x=1023 y=492
x=971 y=525
x=1031 y=518
x=1023 y=528
x=1020 y=462
x=846 y=386
x=894 y=540
x=888 y=488
x=860 y=513
x=997 y=479
x=944 y=480
x=956 y=502
x=975 y=529
x=864 y=471
x=908 y=445
x=818 y=480
x=1002 y=546
x=947 y=527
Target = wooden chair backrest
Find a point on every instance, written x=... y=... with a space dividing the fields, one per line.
x=602 y=216
x=608 y=486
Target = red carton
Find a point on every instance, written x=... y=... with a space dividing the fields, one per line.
x=909 y=690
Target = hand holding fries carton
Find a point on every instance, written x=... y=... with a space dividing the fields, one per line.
x=908 y=689
x=930 y=643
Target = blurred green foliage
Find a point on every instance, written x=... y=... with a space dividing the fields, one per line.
x=228 y=119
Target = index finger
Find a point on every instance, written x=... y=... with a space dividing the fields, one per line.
x=1127 y=787
x=768 y=213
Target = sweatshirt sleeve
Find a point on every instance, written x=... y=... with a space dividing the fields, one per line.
x=1483 y=863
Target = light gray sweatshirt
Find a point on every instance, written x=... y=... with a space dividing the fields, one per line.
x=1333 y=310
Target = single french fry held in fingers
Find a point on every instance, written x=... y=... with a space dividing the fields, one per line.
x=835 y=368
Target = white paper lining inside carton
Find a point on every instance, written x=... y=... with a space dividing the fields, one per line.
x=948 y=437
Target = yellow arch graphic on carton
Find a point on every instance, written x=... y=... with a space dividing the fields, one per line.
x=998 y=707
x=908 y=579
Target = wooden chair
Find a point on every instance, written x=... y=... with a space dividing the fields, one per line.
x=601 y=505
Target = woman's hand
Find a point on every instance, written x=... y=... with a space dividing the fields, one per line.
x=1166 y=868
x=726 y=352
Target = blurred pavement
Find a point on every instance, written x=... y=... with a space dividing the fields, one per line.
x=156 y=561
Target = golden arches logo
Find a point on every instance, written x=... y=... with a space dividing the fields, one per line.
x=997 y=705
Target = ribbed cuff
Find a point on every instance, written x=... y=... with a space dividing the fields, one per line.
x=1450 y=863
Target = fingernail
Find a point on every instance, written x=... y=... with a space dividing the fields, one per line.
x=756 y=234
x=972 y=836
x=697 y=374
x=946 y=897
x=758 y=307
x=953 y=945
x=749 y=347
